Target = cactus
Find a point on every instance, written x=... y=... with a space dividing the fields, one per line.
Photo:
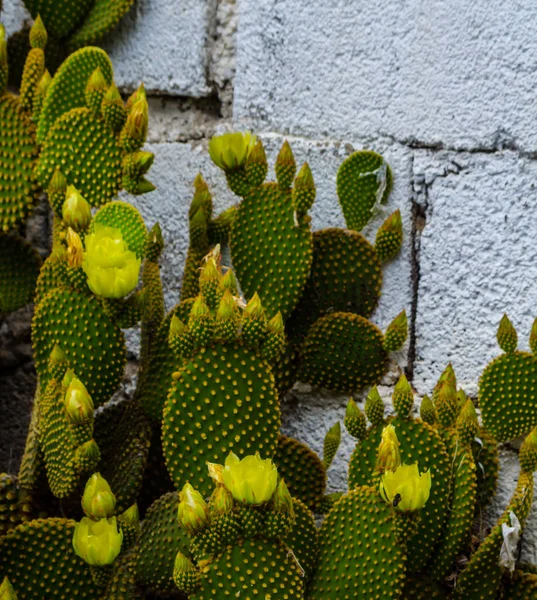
x=508 y=387
x=229 y=538
x=19 y=269
x=246 y=389
x=77 y=24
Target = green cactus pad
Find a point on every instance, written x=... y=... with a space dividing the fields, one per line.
x=285 y=368
x=67 y=89
x=302 y=469
x=254 y=570
x=420 y=588
x=223 y=399
x=36 y=556
x=59 y=16
x=364 y=180
x=103 y=16
x=302 y=539
x=156 y=380
x=15 y=503
x=123 y=434
x=343 y=352
x=459 y=523
x=128 y=220
x=508 y=395
x=487 y=466
x=53 y=274
x=520 y=586
x=94 y=346
x=271 y=252
x=345 y=276
x=419 y=443
x=19 y=268
x=122 y=583
x=68 y=146
x=59 y=446
x=359 y=556
x=160 y=540
x=18 y=153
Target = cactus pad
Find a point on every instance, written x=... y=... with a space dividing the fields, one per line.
x=19 y=268
x=39 y=554
x=485 y=453
x=345 y=276
x=359 y=556
x=67 y=89
x=94 y=346
x=160 y=540
x=364 y=180
x=60 y=17
x=302 y=538
x=343 y=352
x=223 y=399
x=302 y=469
x=508 y=395
x=68 y=146
x=271 y=252
x=18 y=153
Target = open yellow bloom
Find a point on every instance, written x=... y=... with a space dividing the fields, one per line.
x=406 y=489
x=111 y=268
x=251 y=480
x=230 y=151
x=97 y=542
x=388 y=456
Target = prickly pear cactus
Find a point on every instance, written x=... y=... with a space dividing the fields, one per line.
x=19 y=269
x=346 y=352
x=223 y=395
x=364 y=180
x=83 y=104
x=508 y=387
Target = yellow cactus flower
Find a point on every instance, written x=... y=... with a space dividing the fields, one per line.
x=192 y=512
x=75 y=250
x=77 y=401
x=251 y=480
x=388 y=455
x=230 y=151
x=97 y=542
x=111 y=268
x=406 y=489
x=98 y=501
x=6 y=590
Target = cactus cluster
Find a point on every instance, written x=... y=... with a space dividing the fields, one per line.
x=189 y=485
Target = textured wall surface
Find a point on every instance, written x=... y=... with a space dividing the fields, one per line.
x=445 y=90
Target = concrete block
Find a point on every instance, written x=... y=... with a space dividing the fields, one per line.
x=427 y=70
x=160 y=42
x=477 y=260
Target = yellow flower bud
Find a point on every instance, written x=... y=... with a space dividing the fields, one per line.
x=230 y=151
x=111 y=268
x=251 y=480
x=192 y=512
x=98 y=501
x=221 y=501
x=406 y=489
x=138 y=120
x=75 y=250
x=6 y=590
x=388 y=456
x=132 y=515
x=97 y=542
x=76 y=212
x=78 y=403
x=283 y=502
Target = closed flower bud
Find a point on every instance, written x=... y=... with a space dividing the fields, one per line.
x=135 y=96
x=507 y=336
x=38 y=34
x=275 y=325
x=44 y=82
x=75 y=250
x=230 y=151
x=192 y=512
x=229 y=282
x=131 y=516
x=254 y=309
x=177 y=327
x=6 y=590
x=406 y=489
x=138 y=120
x=227 y=307
x=98 y=501
x=221 y=501
x=76 y=212
x=388 y=455
x=97 y=542
x=283 y=502
x=67 y=378
x=111 y=268
x=78 y=403
x=251 y=480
